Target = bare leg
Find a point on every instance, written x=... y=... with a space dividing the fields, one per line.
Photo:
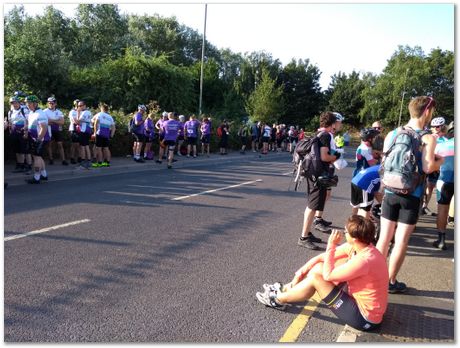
x=402 y=236
x=308 y=216
x=387 y=231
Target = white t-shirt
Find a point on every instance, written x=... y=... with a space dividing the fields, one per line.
x=36 y=118
x=73 y=119
x=54 y=115
x=85 y=124
x=104 y=125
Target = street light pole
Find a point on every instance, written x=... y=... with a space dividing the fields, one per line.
x=402 y=98
x=202 y=58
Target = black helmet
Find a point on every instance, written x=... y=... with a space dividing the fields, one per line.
x=367 y=134
x=328 y=181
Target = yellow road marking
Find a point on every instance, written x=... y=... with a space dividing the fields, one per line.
x=299 y=323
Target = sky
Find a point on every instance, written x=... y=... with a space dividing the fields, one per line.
x=336 y=37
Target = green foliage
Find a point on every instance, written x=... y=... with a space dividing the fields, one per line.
x=266 y=102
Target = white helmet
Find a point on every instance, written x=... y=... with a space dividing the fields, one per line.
x=181 y=118
x=338 y=117
x=164 y=114
x=438 y=121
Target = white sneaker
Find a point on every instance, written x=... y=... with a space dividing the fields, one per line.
x=268 y=299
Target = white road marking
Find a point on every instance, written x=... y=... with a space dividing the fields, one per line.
x=143 y=186
x=348 y=335
x=132 y=194
x=140 y=203
x=288 y=173
x=215 y=190
x=47 y=229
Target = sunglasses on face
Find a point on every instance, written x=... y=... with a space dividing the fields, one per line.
x=377 y=128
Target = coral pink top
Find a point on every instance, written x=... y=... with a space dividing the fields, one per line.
x=366 y=274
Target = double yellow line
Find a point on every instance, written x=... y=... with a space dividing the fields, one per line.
x=295 y=329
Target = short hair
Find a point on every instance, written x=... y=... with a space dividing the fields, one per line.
x=327 y=119
x=104 y=106
x=360 y=228
x=419 y=105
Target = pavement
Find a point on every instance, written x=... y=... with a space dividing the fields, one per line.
x=425 y=313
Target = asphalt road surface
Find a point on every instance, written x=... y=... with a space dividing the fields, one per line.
x=160 y=255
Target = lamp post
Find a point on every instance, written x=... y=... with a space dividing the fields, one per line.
x=402 y=98
x=202 y=59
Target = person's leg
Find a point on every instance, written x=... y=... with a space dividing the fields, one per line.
x=387 y=231
x=308 y=217
x=61 y=150
x=194 y=150
x=107 y=154
x=402 y=236
x=189 y=148
x=98 y=154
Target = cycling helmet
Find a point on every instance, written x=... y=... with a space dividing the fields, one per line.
x=450 y=128
x=142 y=107
x=51 y=99
x=164 y=114
x=31 y=99
x=367 y=134
x=438 y=121
x=328 y=181
x=14 y=99
x=338 y=117
x=19 y=94
x=182 y=118
x=75 y=102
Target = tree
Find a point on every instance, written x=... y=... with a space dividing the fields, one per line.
x=302 y=92
x=266 y=102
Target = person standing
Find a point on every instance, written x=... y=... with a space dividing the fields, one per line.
x=170 y=129
x=317 y=193
x=266 y=134
x=38 y=137
x=104 y=130
x=55 y=122
x=243 y=134
x=205 y=136
x=159 y=126
x=16 y=124
x=84 y=131
x=75 y=144
x=445 y=185
x=149 y=133
x=180 y=136
x=138 y=133
x=191 y=134
x=225 y=132
x=255 y=134
x=400 y=212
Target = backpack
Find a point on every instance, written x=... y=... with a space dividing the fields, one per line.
x=307 y=159
x=219 y=131
x=399 y=170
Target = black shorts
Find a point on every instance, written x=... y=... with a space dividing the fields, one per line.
x=102 y=141
x=74 y=137
x=445 y=193
x=180 y=137
x=20 y=145
x=206 y=138
x=265 y=139
x=191 y=140
x=138 y=138
x=223 y=142
x=37 y=147
x=399 y=208
x=56 y=135
x=83 y=138
x=360 y=198
x=316 y=196
x=171 y=144
x=344 y=306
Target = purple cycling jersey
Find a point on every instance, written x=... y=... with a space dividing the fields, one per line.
x=139 y=128
x=206 y=128
x=191 y=128
x=149 y=128
x=160 y=124
x=171 y=128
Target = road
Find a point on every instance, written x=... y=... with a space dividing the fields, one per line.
x=160 y=255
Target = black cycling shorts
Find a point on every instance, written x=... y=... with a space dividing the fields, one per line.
x=344 y=306
x=446 y=193
x=191 y=140
x=37 y=147
x=400 y=208
x=56 y=136
x=206 y=138
x=74 y=137
x=20 y=145
x=360 y=198
x=83 y=138
x=316 y=199
x=138 y=138
x=102 y=141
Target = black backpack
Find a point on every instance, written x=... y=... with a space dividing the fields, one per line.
x=307 y=160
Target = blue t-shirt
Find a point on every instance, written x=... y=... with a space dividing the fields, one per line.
x=368 y=179
x=447 y=168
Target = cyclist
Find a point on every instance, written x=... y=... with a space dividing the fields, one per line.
x=104 y=130
x=55 y=121
x=16 y=124
x=191 y=134
x=38 y=136
x=84 y=131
